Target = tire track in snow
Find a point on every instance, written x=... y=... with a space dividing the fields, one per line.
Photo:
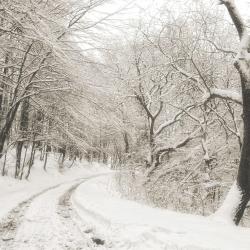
x=10 y=223
x=70 y=217
x=12 y=227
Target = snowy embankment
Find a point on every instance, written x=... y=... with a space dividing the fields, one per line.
x=124 y=224
x=13 y=191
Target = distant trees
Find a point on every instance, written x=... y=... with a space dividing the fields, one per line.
x=45 y=77
x=176 y=83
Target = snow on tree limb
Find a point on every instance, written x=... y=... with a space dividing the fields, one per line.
x=190 y=76
x=159 y=152
x=224 y=94
x=168 y=123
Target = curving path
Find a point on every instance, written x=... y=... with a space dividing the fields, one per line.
x=47 y=221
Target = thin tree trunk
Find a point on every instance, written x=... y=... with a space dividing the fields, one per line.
x=3 y=91
x=4 y=164
x=62 y=157
x=42 y=154
x=7 y=126
x=24 y=159
x=126 y=141
x=19 y=148
x=31 y=161
x=23 y=127
x=45 y=158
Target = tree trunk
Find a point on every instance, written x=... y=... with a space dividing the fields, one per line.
x=243 y=178
x=62 y=157
x=242 y=63
x=24 y=122
x=151 y=140
x=126 y=142
x=31 y=161
x=24 y=159
x=239 y=195
x=3 y=86
x=4 y=164
x=7 y=126
x=19 y=148
x=45 y=157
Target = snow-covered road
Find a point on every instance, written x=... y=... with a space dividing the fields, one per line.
x=128 y=225
x=88 y=213
x=46 y=221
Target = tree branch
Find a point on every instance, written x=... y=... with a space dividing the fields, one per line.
x=235 y=16
x=224 y=94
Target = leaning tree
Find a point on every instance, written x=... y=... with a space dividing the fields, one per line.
x=242 y=65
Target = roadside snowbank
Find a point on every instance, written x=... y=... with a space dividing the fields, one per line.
x=130 y=225
x=13 y=191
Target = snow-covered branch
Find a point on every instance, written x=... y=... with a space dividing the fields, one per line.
x=159 y=152
x=170 y=122
x=226 y=94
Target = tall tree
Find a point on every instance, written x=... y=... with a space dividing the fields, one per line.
x=242 y=64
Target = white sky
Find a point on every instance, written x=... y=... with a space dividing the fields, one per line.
x=141 y=8
x=243 y=5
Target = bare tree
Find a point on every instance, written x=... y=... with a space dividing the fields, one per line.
x=242 y=63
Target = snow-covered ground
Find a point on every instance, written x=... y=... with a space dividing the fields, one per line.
x=37 y=214
x=129 y=225
x=80 y=208
x=13 y=191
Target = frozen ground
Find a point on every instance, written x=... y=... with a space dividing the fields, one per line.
x=80 y=209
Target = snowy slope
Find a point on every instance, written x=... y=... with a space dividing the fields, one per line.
x=129 y=225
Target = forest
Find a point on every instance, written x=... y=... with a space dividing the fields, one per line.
x=159 y=91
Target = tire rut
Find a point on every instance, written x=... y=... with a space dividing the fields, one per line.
x=10 y=223
x=69 y=216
